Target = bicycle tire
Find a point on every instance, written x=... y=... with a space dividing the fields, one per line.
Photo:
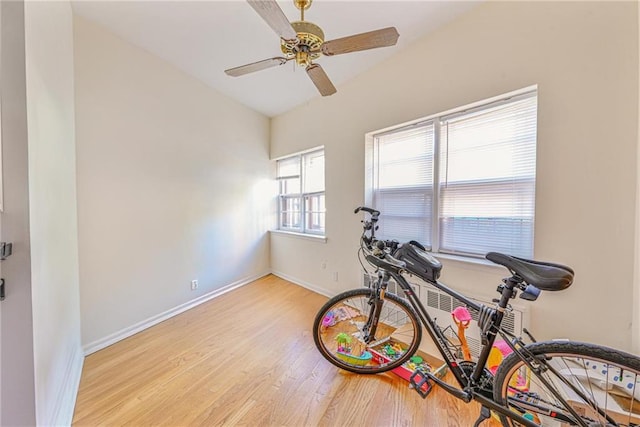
x=347 y=313
x=609 y=377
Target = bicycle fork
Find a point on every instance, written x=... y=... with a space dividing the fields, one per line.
x=376 y=300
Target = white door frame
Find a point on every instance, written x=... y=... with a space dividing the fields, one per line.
x=17 y=389
x=1 y=206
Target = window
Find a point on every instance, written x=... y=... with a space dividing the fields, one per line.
x=301 y=195
x=462 y=183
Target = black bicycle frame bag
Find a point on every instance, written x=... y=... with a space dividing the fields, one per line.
x=419 y=261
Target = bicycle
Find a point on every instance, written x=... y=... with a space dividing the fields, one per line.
x=552 y=383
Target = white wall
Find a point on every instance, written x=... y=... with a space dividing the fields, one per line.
x=18 y=393
x=53 y=214
x=174 y=184
x=584 y=58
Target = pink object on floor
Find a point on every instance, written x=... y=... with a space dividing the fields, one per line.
x=329 y=320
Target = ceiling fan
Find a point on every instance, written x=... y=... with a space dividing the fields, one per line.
x=304 y=41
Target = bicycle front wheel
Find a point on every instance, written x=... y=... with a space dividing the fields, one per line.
x=343 y=328
x=570 y=384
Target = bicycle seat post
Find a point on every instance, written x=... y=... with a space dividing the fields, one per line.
x=491 y=324
x=508 y=291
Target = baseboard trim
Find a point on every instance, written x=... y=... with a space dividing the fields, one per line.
x=303 y=283
x=140 y=326
x=62 y=414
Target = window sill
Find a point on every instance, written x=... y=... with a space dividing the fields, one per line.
x=313 y=237
x=467 y=260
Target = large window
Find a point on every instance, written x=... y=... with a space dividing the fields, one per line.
x=301 y=193
x=461 y=183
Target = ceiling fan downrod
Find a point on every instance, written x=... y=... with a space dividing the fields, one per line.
x=302 y=5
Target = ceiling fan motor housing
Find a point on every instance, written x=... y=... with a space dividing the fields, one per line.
x=307 y=46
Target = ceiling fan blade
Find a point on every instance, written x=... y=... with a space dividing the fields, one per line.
x=275 y=17
x=255 y=66
x=321 y=80
x=363 y=41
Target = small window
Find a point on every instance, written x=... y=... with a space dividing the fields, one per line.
x=301 y=206
x=461 y=183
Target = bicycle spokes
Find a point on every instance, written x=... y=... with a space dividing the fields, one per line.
x=566 y=389
x=367 y=334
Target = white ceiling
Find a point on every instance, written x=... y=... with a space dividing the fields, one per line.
x=203 y=38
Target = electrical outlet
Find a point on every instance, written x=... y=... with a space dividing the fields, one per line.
x=194 y=285
x=335 y=276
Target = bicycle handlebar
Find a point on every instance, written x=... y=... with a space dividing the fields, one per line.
x=369 y=225
x=373 y=212
x=379 y=250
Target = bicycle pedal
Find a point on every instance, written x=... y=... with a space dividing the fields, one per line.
x=421 y=383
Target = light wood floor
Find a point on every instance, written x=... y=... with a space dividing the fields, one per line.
x=247 y=358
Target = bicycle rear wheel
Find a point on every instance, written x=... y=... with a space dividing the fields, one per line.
x=341 y=331
x=571 y=383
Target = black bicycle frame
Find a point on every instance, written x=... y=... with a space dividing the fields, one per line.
x=469 y=388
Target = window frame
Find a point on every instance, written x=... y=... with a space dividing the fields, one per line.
x=302 y=196
x=371 y=161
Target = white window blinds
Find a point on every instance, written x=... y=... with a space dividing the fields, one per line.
x=463 y=183
x=404 y=182
x=487 y=179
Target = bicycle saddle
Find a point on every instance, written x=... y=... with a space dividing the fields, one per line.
x=543 y=275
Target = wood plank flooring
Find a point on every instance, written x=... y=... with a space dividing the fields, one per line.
x=247 y=358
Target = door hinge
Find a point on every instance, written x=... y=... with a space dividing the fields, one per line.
x=1 y=289
x=5 y=250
